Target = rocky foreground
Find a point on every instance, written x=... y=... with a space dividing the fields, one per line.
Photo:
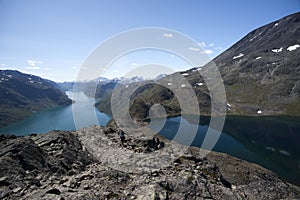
x=93 y=163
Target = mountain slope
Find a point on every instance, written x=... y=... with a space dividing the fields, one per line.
x=22 y=94
x=261 y=74
x=267 y=76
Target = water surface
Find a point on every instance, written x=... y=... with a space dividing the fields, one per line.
x=59 y=118
x=272 y=142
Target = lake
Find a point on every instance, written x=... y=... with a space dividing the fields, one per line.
x=272 y=142
x=59 y=118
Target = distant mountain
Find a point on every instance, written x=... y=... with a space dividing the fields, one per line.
x=160 y=76
x=65 y=86
x=103 y=85
x=23 y=94
x=261 y=74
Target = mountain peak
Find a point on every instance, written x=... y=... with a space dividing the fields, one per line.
x=260 y=74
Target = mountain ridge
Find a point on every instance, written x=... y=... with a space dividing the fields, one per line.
x=23 y=94
x=260 y=74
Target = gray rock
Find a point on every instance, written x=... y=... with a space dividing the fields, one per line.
x=189 y=176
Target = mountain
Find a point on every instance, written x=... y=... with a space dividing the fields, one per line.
x=103 y=85
x=160 y=76
x=261 y=74
x=65 y=86
x=267 y=76
x=23 y=94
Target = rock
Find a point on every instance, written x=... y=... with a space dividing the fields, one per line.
x=106 y=193
x=217 y=176
x=17 y=189
x=166 y=185
x=4 y=181
x=73 y=183
x=86 y=187
x=6 y=137
x=225 y=182
x=4 y=193
x=150 y=192
x=53 y=191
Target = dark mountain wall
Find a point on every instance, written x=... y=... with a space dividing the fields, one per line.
x=23 y=94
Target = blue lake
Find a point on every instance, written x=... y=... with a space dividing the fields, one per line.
x=270 y=141
x=59 y=118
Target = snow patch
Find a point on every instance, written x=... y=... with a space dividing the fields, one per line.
x=270 y=148
x=182 y=85
x=185 y=74
x=238 y=56
x=257 y=58
x=253 y=38
x=31 y=81
x=199 y=84
x=9 y=76
x=284 y=152
x=228 y=106
x=259 y=112
x=276 y=24
x=294 y=47
x=169 y=83
x=277 y=50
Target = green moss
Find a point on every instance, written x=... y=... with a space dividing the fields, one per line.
x=292 y=108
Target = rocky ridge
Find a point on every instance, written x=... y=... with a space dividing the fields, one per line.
x=93 y=163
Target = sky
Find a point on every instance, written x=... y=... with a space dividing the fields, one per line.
x=53 y=38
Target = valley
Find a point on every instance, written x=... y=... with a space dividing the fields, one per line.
x=64 y=140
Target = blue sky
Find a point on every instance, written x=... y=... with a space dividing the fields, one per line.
x=52 y=38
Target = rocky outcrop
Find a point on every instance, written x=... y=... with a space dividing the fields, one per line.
x=27 y=162
x=94 y=163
